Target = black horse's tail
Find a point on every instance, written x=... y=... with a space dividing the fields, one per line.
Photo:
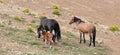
x=58 y=32
x=38 y=31
x=94 y=36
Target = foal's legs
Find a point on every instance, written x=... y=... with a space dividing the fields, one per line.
x=46 y=41
x=53 y=36
x=80 y=37
x=51 y=41
x=90 y=39
x=84 y=37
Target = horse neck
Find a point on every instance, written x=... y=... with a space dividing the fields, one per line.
x=79 y=22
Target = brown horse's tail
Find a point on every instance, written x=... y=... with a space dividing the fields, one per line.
x=94 y=36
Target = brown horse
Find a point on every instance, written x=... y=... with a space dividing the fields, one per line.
x=47 y=37
x=85 y=28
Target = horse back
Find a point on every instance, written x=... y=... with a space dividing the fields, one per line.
x=49 y=36
x=86 y=27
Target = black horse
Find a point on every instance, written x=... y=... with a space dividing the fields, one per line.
x=49 y=25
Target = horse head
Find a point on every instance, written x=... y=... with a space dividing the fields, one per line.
x=75 y=19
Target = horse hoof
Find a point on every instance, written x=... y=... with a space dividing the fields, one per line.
x=89 y=45
x=50 y=47
x=84 y=41
x=80 y=42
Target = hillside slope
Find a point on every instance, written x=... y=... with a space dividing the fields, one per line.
x=16 y=39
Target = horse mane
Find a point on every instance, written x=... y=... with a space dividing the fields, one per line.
x=78 y=20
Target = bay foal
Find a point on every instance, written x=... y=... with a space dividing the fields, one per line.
x=47 y=37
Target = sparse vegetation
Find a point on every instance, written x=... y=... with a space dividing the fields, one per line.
x=41 y=15
x=32 y=14
x=68 y=34
x=2 y=24
x=33 y=21
x=1 y=1
x=19 y=18
x=55 y=6
x=26 y=10
x=34 y=42
x=27 y=54
x=113 y=28
x=30 y=29
x=5 y=15
x=56 y=10
x=28 y=41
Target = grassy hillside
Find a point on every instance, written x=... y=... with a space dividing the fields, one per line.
x=18 y=39
x=19 y=20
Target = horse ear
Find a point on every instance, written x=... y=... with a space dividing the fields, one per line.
x=74 y=17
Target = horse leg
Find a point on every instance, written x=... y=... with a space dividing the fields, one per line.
x=84 y=37
x=51 y=42
x=94 y=36
x=53 y=36
x=45 y=41
x=90 y=39
x=80 y=37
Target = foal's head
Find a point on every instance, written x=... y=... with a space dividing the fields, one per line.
x=43 y=32
x=75 y=19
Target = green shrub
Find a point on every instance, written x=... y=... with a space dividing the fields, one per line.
x=33 y=21
x=26 y=10
x=1 y=1
x=41 y=16
x=2 y=24
x=30 y=29
x=113 y=28
x=32 y=14
x=19 y=18
x=56 y=12
x=55 y=6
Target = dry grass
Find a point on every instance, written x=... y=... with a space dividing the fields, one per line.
x=68 y=46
